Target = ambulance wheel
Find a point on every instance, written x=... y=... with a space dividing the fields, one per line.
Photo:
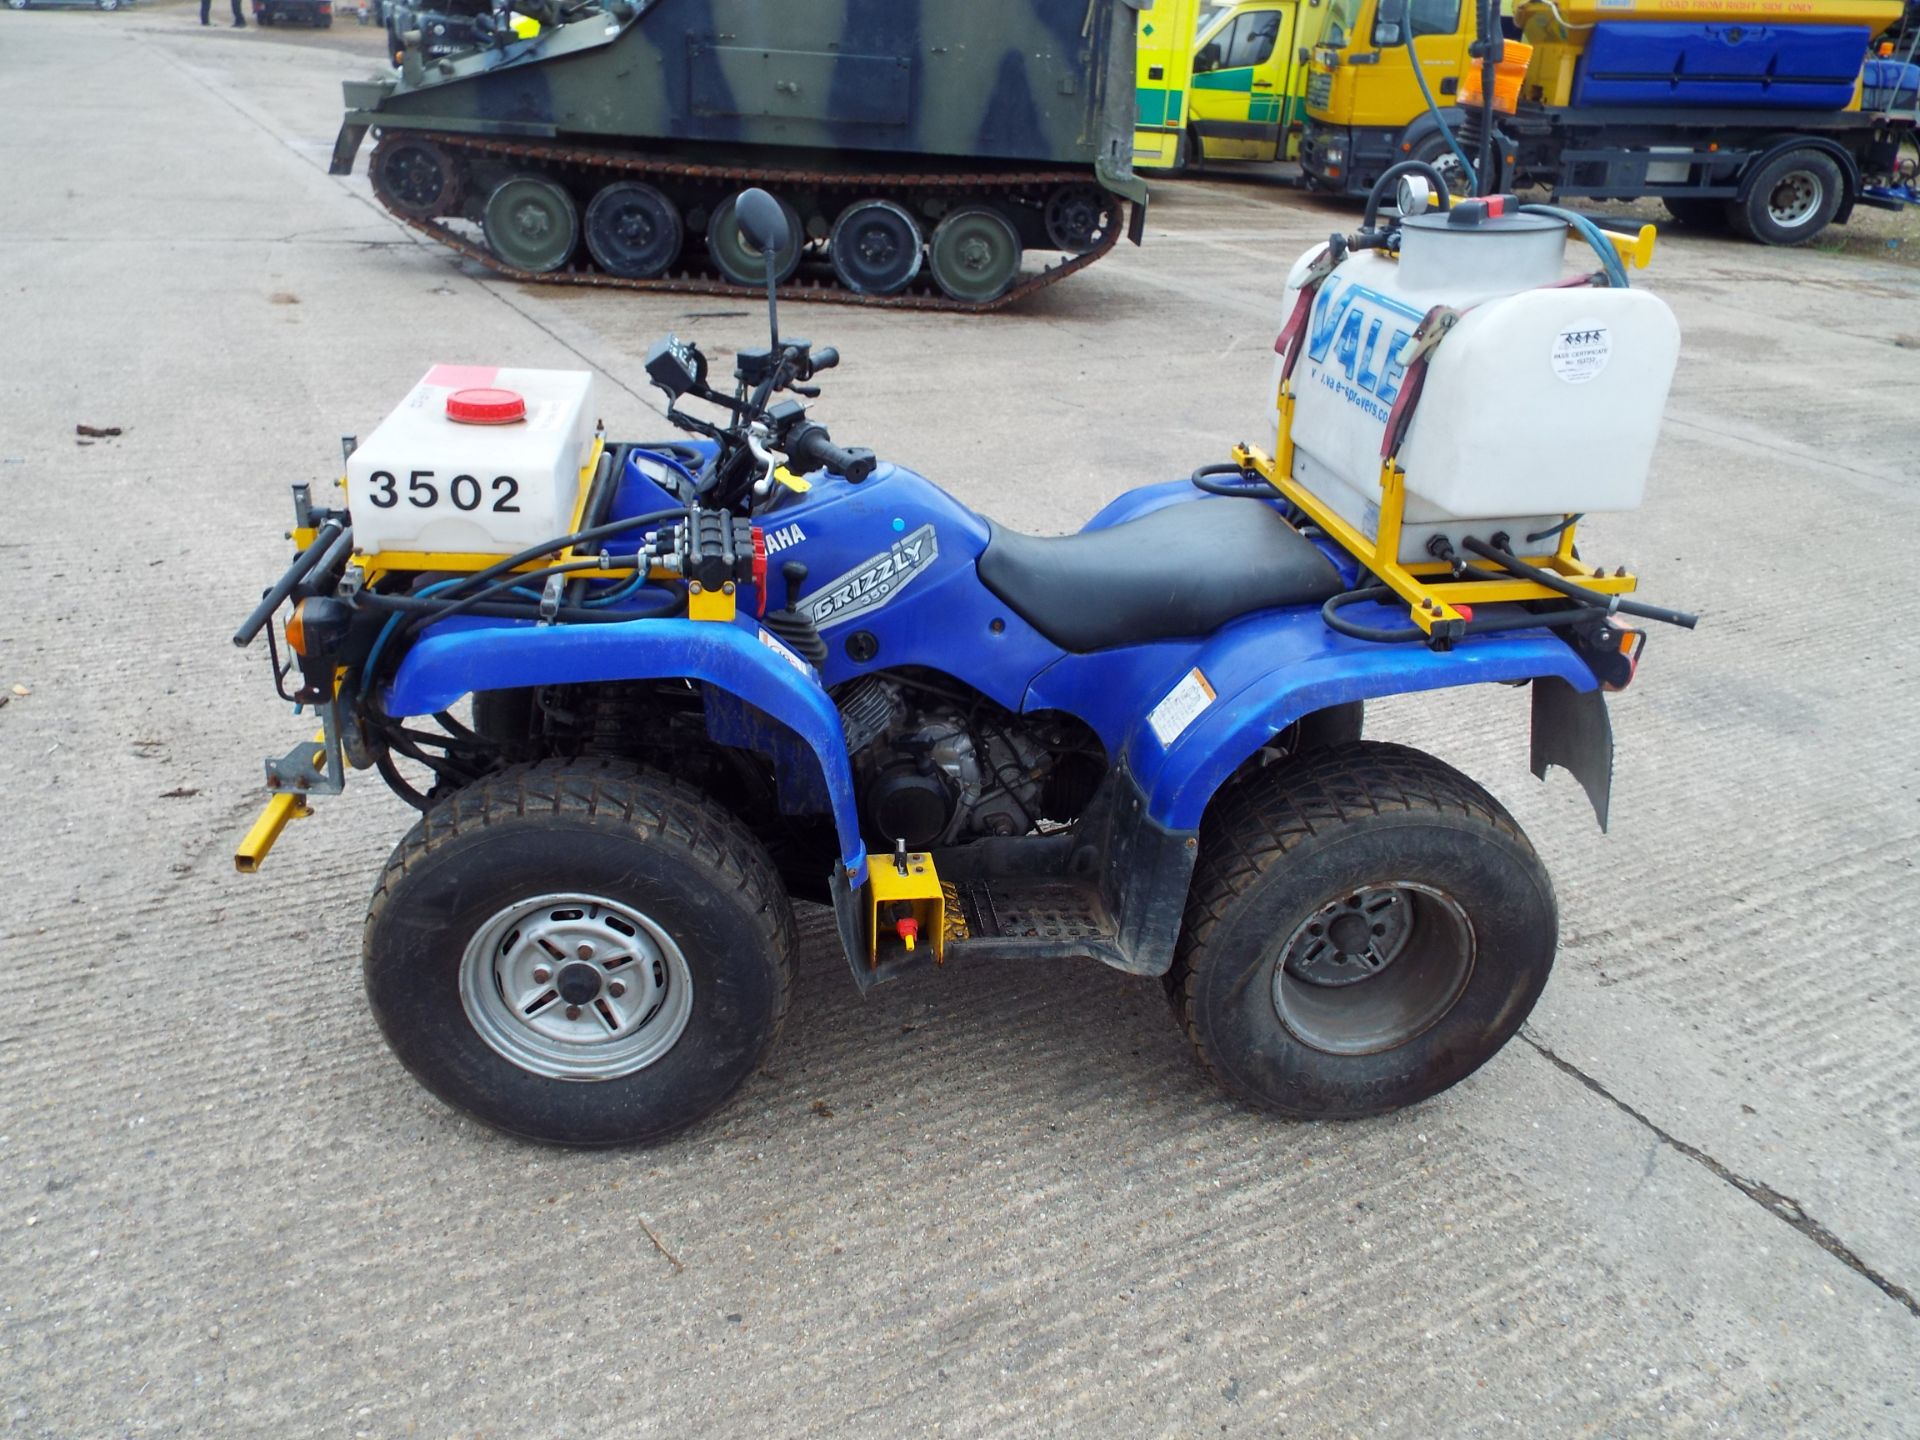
x=531 y=223
x=1365 y=928
x=633 y=230
x=740 y=262
x=876 y=248
x=1788 y=200
x=580 y=953
x=975 y=254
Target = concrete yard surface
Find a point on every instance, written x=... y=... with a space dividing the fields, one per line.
x=992 y=1201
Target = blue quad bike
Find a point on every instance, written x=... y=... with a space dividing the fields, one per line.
x=762 y=668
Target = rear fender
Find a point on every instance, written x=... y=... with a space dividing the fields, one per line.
x=741 y=661
x=1267 y=671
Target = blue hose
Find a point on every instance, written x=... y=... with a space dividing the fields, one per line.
x=1433 y=109
x=1609 y=257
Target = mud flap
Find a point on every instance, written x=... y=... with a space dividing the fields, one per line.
x=1571 y=730
x=345 y=146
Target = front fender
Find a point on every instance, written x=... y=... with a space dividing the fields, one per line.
x=1269 y=670
x=739 y=659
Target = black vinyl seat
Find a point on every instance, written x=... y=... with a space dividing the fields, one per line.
x=1185 y=570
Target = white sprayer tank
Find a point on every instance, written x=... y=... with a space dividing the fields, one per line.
x=476 y=460
x=1540 y=403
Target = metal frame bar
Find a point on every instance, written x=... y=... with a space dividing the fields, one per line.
x=1427 y=586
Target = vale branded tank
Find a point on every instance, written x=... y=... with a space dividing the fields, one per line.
x=1542 y=400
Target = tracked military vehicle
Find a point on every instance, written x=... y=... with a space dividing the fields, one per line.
x=919 y=149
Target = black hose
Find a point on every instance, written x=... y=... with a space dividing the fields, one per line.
x=1253 y=488
x=1487 y=22
x=1384 y=635
x=592 y=532
x=408 y=604
x=320 y=548
x=1513 y=565
x=1384 y=186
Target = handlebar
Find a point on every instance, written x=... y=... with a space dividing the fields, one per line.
x=811 y=448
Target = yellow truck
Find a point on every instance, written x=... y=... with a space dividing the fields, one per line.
x=1776 y=117
x=1229 y=84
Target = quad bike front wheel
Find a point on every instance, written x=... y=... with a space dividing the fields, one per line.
x=584 y=953
x=1366 y=927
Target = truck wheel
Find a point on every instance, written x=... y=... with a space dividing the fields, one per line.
x=1435 y=151
x=1363 y=931
x=581 y=952
x=1788 y=200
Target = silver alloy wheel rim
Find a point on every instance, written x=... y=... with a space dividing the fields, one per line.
x=1795 y=199
x=627 y=991
x=1373 y=968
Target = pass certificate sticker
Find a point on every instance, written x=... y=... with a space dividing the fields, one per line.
x=1581 y=351
x=1181 y=708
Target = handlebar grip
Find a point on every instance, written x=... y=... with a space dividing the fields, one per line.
x=825 y=358
x=811 y=448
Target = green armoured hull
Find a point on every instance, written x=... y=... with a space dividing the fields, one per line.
x=864 y=91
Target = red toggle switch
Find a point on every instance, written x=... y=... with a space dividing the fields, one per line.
x=908 y=930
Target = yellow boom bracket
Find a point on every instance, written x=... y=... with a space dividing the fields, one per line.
x=906 y=907
x=1429 y=588
x=281 y=810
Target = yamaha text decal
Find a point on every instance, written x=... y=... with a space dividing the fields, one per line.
x=872 y=583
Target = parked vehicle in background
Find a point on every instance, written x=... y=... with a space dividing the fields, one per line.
x=317 y=13
x=67 y=4
x=1229 y=86
x=1776 y=117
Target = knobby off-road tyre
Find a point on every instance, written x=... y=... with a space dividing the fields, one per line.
x=580 y=952
x=1366 y=927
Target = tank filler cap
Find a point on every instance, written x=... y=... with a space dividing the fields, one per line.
x=486 y=406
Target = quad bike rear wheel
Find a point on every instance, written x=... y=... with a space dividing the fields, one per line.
x=1366 y=927
x=580 y=952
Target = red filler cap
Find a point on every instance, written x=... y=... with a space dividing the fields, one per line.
x=486 y=407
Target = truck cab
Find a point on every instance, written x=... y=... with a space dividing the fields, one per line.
x=1229 y=84
x=1364 y=109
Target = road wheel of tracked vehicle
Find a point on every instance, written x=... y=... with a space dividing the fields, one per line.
x=1788 y=200
x=581 y=952
x=531 y=223
x=1364 y=929
x=416 y=177
x=633 y=230
x=975 y=254
x=875 y=248
x=741 y=262
x=1079 y=217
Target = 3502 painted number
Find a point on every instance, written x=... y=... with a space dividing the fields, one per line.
x=422 y=491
